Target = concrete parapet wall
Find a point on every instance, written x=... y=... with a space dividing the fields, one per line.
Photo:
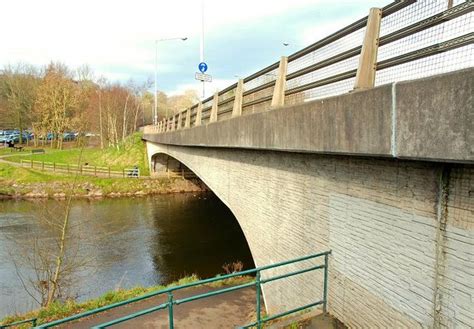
x=427 y=119
x=402 y=232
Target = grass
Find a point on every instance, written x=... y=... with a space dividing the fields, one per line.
x=59 y=310
x=19 y=181
x=129 y=153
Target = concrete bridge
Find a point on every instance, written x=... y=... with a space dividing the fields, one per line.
x=382 y=175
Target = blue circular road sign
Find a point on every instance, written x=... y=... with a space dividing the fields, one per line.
x=202 y=67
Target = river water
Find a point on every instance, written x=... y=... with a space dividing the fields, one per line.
x=118 y=243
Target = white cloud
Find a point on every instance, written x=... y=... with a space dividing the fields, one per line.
x=116 y=38
x=108 y=31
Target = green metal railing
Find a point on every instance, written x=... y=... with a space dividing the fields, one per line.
x=171 y=301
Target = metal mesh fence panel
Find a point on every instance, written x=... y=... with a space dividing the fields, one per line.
x=328 y=90
x=455 y=59
x=350 y=41
x=440 y=63
x=260 y=80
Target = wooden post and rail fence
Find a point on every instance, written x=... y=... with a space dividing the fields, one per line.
x=81 y=169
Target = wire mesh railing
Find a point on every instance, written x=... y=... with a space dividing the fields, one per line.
x=406 y=39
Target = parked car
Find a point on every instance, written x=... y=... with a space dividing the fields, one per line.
x=69 y=136
x=15 y=138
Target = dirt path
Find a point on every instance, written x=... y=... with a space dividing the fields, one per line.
x=228 y=310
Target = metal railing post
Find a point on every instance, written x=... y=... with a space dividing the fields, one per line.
x=170 y=310
x=258 y=288
x=325 y=291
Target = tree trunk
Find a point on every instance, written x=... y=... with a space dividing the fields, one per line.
x=100 y=122
x=124 y=125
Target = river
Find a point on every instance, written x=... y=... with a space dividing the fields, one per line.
x=118 y=243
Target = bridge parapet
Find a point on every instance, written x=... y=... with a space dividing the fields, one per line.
x=426 y=119
x=404 y=40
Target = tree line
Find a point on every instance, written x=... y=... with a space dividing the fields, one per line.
x=55 y=99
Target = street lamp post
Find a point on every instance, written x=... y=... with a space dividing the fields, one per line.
x=155 y=114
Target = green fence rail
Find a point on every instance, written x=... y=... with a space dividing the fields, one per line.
x=171 y=301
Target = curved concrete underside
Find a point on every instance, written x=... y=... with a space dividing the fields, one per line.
x=392 y=251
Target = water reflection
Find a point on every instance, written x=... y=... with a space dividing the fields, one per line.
x=127 y=242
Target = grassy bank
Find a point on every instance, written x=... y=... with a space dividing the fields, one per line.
x=17 y=182
x=59 y=310
x=23 y=182
x=128 y=154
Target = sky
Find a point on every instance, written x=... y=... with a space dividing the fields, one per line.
x=117 y=38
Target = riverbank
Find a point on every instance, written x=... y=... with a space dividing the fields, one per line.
x=24 y=183
x=18 y=182
x=60 y=310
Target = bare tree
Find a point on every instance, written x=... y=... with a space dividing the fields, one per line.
x=18 y=87
x=56 y=102
x=53 y=262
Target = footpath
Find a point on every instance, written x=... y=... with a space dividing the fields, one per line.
x=228 y=310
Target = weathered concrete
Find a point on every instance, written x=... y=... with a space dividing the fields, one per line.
x=428 y=119
x=435 y=117
x=384 y=219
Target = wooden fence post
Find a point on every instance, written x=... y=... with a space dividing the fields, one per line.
x=31 y=163
x=54 y=166
x=42 y=165
x=278 y=98
x=215 y=107
x=239 y=90
x=198 y=115
x=365 y=77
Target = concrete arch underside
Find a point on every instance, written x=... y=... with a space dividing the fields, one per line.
x=396 y=262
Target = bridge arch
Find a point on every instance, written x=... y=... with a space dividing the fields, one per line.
x=164 y=161
x=261 y=234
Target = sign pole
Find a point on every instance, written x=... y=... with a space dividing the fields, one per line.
x=202 y=45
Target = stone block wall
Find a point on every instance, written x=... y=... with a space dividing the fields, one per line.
x=401 y=232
